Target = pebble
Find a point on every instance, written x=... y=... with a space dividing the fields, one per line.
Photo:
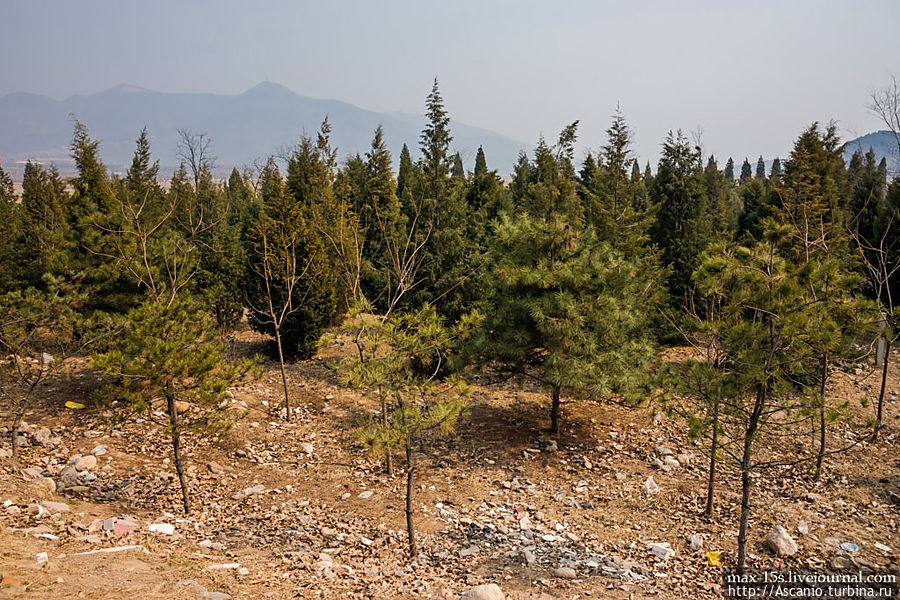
x=99 y=450
x=366 y=494
x=651 y=486
x=56 y=507
x=468 y=551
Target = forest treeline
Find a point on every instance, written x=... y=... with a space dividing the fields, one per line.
x=571 y=273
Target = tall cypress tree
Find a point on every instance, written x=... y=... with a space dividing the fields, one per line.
x=682 y=229
x=10 y=222
x=729 y=170
x=746 y=172
x=761 y=169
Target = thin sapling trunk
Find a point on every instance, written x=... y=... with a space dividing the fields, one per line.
x=176 y=446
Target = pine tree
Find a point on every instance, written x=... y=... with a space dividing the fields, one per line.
x=171 y=350
x=555 y=289
x=425 y=408
x=775 y=173
x=45 y=233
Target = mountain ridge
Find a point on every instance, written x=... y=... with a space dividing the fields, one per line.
x=242 y=127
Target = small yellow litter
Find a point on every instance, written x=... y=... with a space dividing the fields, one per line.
x=74 y=405
x=712 y=558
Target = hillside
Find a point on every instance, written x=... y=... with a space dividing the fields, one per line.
x=298 y=510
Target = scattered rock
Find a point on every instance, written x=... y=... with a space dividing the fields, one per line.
x=164 y=528
x=551 y=446
x=781 y=542
x=565 y=573
x=56 y=507
x=99 y=450
x=84 y=463
x=41 y=558
x=841 y=563
x=307 y=448
x=802 y=527
x=214 y=468
x=256 y=489
x=43 y=437
x=695 y=542
x=468 y=551
x=490 y=591
x=662 y=550
x=651 y=486
x=366 y=494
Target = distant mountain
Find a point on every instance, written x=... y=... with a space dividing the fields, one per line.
x=257 y=123
x=883 y=143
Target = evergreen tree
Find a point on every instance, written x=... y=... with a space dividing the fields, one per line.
x=746 y=172
x=761 y=169
x=10 y=231
x=300 y=274
x=170 y=350
x=381 y=219
x=683 y=228
x=729 y=170
x=457 y=171
x=775 y=174
x=755 y=200
x=550 y=317
x=720 y=193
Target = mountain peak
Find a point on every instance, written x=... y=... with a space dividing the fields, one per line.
x=268 y=88
x=126 y=88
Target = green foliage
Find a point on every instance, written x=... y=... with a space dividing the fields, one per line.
x=567 y=310
x=683 y=227
x=10 y=226
x=300 y=275
x=45 y=231
x=172 y=350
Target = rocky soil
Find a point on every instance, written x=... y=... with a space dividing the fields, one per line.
x=609 y=508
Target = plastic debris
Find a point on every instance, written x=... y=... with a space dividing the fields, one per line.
x=74 y=405
x=712 y=558
x=849 y=547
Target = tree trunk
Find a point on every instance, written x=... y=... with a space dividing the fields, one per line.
x=714 y=446
x=17 y=420
x=287 y=398
x=176 y=447
x=884 y=374
x=388 y=461
x=746 y=482
x=820 y=457
x=554 y=410
x=410 y=530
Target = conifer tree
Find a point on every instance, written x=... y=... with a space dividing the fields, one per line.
x=746 y=172
x=381 y=219
x=290 y=267
x=761 y=169
x=683 y=226
x=555 y=289
x=10 y=232
x=171 y=350
x=729 y=170
x=45 y=234
x=775 y=173
x=395 y=347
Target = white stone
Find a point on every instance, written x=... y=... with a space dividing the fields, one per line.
x=651 y=486
x=490 y=591
x=780 y=542
x=164 y=528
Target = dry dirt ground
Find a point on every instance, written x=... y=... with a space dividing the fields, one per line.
x=297 y=510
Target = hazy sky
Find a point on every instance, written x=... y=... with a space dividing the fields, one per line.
x=751 y=74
